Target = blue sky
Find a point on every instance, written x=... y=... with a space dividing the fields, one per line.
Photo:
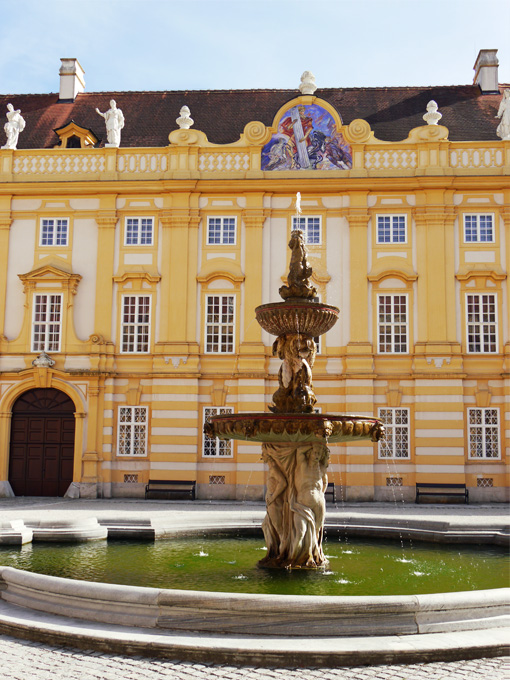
x=224 y=44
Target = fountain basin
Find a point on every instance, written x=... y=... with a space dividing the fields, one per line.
x=297 y=315
x=294 y=427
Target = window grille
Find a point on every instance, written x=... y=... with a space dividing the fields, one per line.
x=130 y=479
x=216 y=448
x=393 y=481
x=485 y=482
x=216 y=479
x=132 y=434
x=483 y=432
x=396 y=443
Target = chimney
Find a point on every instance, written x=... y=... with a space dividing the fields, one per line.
x=486 y=71
x=71 y=79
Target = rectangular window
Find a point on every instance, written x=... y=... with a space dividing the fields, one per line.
x=391 y=229
x=139 y=231
x=46 y=329
x=392 y=324
x=483 y=432
x=481 y=323
x=479 y=228
x=311 y=228
x=221 y=231
x=136 y=315
x=54 y=232
x=219 y=325
x=216 y=448
x=132 y=436
x=396 y=441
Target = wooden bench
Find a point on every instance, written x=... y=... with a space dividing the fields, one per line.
x=436 y=489
x=171 y=486
x=330 y=494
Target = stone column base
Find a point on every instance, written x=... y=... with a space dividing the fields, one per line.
x=6 y=490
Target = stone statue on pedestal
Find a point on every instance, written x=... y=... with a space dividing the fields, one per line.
x=15 y=124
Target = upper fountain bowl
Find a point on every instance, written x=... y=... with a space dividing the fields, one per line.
x=297 y=315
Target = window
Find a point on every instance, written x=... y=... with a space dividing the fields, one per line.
x=391 y=229
x=311 y=228
x=396 y=441
x=139 y=231
x=135 y=331
x=46 y=329
x=483 y=432
x=479 y=228
x=54 y=232
x=481 y=323
x=392 y=326
x=132 y=439
x=216 y=448
x=221 y=231
x=219 y=326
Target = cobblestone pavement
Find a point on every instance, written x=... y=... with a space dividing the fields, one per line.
x=21 y=660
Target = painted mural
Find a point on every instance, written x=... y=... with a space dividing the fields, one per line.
x=307 y=139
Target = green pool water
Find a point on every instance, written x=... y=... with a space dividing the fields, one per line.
x=228 y=564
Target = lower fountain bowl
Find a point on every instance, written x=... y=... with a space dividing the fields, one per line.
x=294 y=427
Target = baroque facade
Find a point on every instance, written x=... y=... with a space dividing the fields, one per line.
x=130 y=271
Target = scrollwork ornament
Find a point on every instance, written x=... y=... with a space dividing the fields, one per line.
x=358 y=131
x=256 y=133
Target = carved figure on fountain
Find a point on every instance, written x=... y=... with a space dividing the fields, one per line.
x=294 y=522
x=295 y=392
x=299 y=270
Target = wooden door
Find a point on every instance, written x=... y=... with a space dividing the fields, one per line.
x=42 y=443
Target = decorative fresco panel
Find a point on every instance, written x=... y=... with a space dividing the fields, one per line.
x=307 y=139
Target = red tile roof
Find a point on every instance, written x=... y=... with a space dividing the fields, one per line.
x=222 y=114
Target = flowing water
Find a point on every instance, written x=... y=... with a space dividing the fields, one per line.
x=228 y=564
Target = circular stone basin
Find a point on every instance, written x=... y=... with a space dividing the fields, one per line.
x=297 y=316
x=294 y=427
x=225 y=563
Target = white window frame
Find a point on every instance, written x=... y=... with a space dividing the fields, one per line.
x=55 y=231
x=48 y=327
x=394 y=228
x=224 y=335
x=135 y=328
x=139 y=235
x=396 y=444
x=133 y=426
x=311 y=226
x=393 y=325
x=225 y=236
x=216 y=448
x=479 y=236
x=484 y=436
x=484 y=331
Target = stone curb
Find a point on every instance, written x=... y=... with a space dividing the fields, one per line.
x=236 y=650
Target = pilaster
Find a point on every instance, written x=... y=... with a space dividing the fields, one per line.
x=106 y=221
x=5 y=226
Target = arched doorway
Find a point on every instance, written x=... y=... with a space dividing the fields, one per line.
x=42 y=443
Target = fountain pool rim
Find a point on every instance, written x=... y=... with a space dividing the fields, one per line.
x=263 y=629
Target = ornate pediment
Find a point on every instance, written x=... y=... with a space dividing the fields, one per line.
x=49 y=273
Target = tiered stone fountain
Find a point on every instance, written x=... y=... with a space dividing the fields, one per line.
x=295 y=438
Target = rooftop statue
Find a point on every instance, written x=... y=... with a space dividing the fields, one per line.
x=185 y=121
x=15 y=124
x=432 y=117
x=307 y=85
x=503 y=130
x=114 y=123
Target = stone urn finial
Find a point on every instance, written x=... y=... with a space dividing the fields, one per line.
x=307 y=85
x=432 y=117
x=43 y=361
x=184 y=121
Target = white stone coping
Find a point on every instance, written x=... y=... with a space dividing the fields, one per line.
x=251 y=614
